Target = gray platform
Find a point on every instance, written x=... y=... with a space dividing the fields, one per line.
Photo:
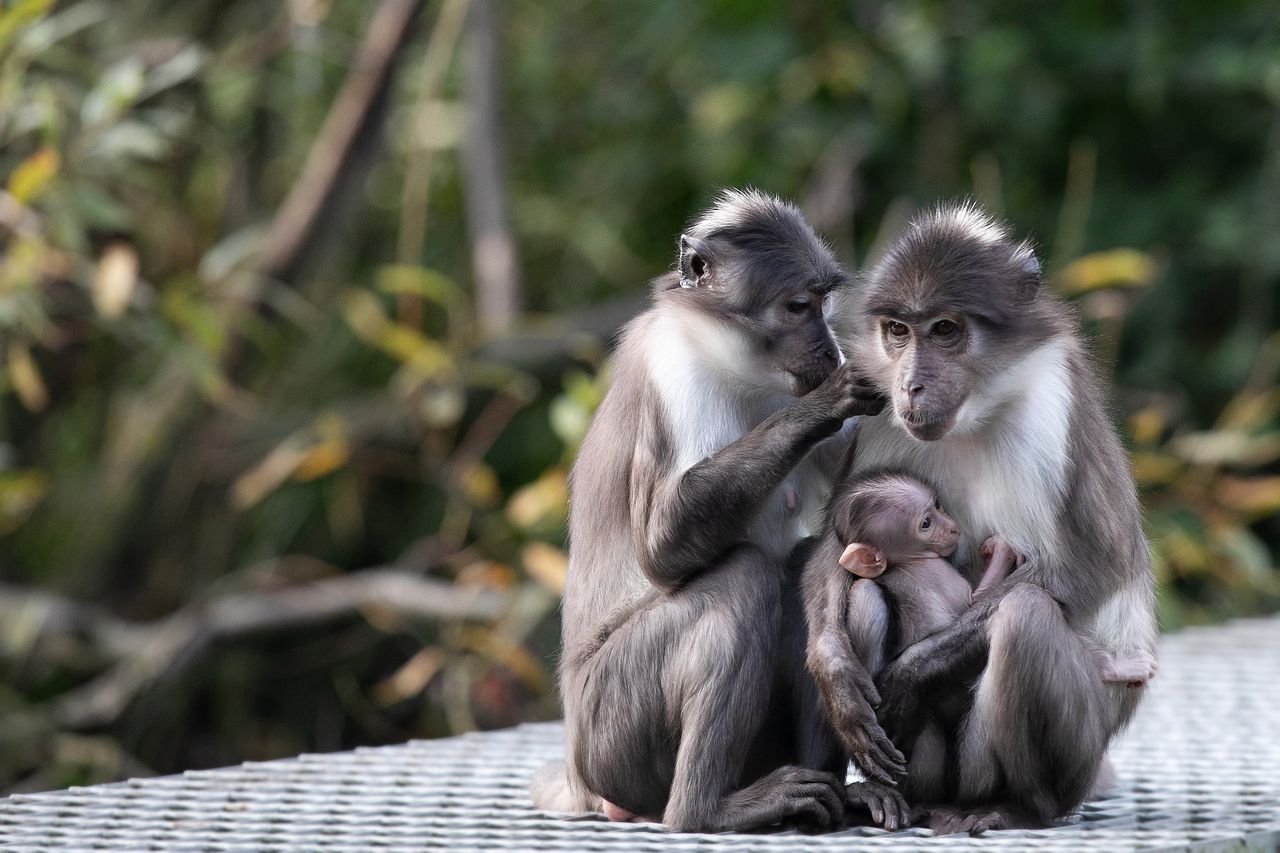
x=1199 y=770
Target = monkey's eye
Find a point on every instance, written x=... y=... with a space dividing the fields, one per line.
x=945 y=329
x=927 y=523
x=798 y=305
x=896 y=329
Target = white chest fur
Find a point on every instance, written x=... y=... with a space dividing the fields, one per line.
x=713 y=392
x=1003 y=468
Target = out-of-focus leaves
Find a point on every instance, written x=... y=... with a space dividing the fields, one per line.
x=1252 y=497
x=117 y=88
x=481 y=485
x=541 y=505
x=1155 y=468
x=1112 y=268
x=24 y=377
x=20 y=492
x=114 y=280
x=411 y=678
x=17 y=15
x=33 y=174
x=328 y=454
x=546 y=564
x=1226 y=447
x=366 y=317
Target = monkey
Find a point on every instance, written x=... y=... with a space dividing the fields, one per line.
x=993 y=400
x=897 y=537
x=682 y=687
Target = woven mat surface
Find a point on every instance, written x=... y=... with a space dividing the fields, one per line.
x=1199 y=770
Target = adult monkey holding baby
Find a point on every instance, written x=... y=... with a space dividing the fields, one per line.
x=994 y=402
x=682 y=675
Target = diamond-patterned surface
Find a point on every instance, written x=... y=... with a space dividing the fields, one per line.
x=1199 y=769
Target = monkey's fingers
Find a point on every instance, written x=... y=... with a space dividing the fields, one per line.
x=876 y=761
x=865 y=684
x=887 y=807
x=892 y=754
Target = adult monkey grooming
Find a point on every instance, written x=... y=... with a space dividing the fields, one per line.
x=687 y=496
x=994 y=401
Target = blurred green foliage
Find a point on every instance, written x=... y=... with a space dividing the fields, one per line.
x=163 y=441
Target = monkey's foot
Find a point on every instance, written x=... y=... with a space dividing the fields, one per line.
x=949 y=820
x=1135 y=670
x=619 y=814
x=886 y=806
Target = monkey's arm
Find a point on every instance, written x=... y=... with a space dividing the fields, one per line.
x=839 y=620
x=684 y=521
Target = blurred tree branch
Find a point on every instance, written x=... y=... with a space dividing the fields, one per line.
x=494 y=264
x=301 y=225
x=141 y=654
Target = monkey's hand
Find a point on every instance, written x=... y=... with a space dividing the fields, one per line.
x=845 y=394
x=886 y=805
x=901 y=711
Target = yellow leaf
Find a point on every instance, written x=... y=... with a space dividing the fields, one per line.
x=33 y=174
x=327 y=455
x=17 y=15
x=1147 y=424
x=20 y=493
x=480 y=484
x=544 y=501
x=265 y=477
x=546 y=564
x=25 y=378
x=1255 y=496
x=486 y=574
x=1250 y=410
x=1155 y=469
x=1112 y=268
x=114 y=280
x=411 y=678
x=324 y=458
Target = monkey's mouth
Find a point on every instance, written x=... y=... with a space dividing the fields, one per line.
x=924 y=426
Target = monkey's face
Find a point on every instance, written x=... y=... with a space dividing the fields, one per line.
x=797 y=339
x=933 y=529
x=951 y=309
x=928 y=362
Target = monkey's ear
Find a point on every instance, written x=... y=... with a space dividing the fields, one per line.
x=695 y=268
x=863 y=560
x=1024 y=257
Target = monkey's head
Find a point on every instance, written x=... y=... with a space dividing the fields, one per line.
x=753 y=262
x=954 y=302
x=885 y=517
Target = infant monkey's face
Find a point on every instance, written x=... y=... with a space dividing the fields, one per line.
x=936 y=531
x=905 y=522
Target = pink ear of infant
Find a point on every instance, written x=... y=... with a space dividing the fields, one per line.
x=863 y=560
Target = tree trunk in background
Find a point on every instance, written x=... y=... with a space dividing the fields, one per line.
x=493 y=250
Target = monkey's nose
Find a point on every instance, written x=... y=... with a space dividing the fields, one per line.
x=913 y=391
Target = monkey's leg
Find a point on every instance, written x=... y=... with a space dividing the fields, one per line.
x=1032 y=745
x=672 y=701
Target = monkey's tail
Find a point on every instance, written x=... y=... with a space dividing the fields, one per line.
x=553 y=791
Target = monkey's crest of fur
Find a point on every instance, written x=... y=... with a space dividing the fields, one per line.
x=772 y=233
x=959 y=237
x=855 y=509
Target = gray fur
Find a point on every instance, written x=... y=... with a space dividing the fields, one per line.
x=1005 y=416
x=694 y=481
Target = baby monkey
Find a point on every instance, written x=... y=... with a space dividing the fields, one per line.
x=898 y=537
